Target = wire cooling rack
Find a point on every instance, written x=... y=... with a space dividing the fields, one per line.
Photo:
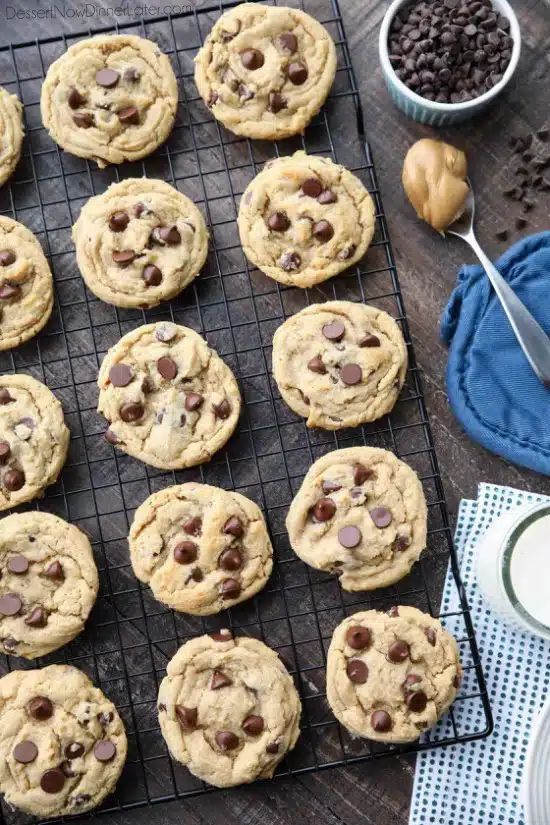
x=130 y=637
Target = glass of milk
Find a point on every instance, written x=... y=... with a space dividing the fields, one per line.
x=513 y=568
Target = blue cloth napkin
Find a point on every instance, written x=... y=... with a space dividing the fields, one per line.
x=492 y=390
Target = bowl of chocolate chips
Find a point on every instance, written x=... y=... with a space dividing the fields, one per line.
x=444 y=61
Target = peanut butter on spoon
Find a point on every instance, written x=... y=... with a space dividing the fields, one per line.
x=434 y=177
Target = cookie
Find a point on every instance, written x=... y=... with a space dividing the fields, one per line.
x=139 y=243
x=11 y=133
x=228 y=709
x=304 y=219
x=62 y=742
x=48 y=583
x=339 y=364
x=26 y=285
x=391 y=675
x=199 y=548
x=110 y=98
x=33 y=439
x=169 y=399
x=360 y=513
x=265 y=72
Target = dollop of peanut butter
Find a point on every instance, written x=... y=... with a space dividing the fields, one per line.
x=434 y=177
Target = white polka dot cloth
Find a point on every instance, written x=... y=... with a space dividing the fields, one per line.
x=479 y=783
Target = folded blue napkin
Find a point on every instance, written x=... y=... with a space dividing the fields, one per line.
x=492 y=390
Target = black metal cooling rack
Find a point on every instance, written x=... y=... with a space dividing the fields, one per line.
x=130 y=637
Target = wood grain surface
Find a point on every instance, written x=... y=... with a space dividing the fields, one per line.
x=379 y=794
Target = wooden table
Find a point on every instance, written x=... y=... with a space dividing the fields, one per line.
x=380 y=793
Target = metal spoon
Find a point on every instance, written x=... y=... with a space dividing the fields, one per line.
x=533 y=340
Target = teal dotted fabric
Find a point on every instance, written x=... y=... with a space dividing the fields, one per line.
x=479 y=783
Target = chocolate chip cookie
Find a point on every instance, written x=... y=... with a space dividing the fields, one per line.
x=33 y=439
x=228 y=709
x=11 y=133
x=304 y=219
x=391 y=675
x=139 y=243
x=169 y=399
x=26 y=285
x=62 y=742
x=360 y=513
x=200 y=549
x=110 y=98
x=339 y=364
x=48 y=583
x=265 y=71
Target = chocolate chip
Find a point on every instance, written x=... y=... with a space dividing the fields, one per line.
x=430 y=635
x=324 y=509
x=131 y=74
x=8 y=291
x=416 y=701
x=316 y=365
x=5 y=451
x=456 y=681
x=165 y=333
x=5 y=397
x=52 y=781
x=381 y=516
x=222 y=410
x=398 y=651
x=393 y=612
x=312 y=187
x=347 y=252
x=361 y=474
x=252 y=59
x=226 y=36
x=132 y=411
x=351 y=374
x=226 y=740
x=223 y=635
x=358 y=637
x=80 y=798
x=128 y=115
x=14 y=480
x=212 y=98
x=327 y=196
x=185 y=552
x=230 y=560
x=401 y=543
x=74 y=99
x=349 y=536
x=40 y=708
x=107 y=78
x=357 y=671
x=25 y=752
x=334 y=331
x=234 y=527
x=187 y=717
x=105 y=718
x=276 y=102
x=104 y=750
x=245 y=93
x=220 y=680
x=83 y=119
x=54 y=571
x=67 y=769
x=290 y=261
x=193 y=526
x=322 y=230
x=38 y=617
x=273 y=747
x=278 y=222
x=7 y=257
x=169 y=234
x=328 y=486
x=196 y=575
x=119 y=221
x=141 y=209
x=167 y=367
x=369 y=341
x=110 y=436
x=74 y=750
x=231 y=589
x=297 y=73
x=120 y=375
x=193 y=400
x=288 y=42
x=18 y=565
x=123 y=257
x=152 y=275
x=253 y=725
x=381 y=721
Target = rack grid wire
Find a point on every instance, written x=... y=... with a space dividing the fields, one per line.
x=130 y=637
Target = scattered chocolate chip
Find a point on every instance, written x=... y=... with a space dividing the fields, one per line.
x=132 y=411
x=501 y=235
x=278 y=222
x=80 y=798
x=361 y=474
x=105 y=718
x=324 y=509
x=193 y=400
x=276 y=102
x=357 y=671
x=230 y=560
x=128 y=115
x=123 y=257
x=381 y=516
x=312 y=187
x=193 y=526
x=14 y=480
x=381 y=721
x=226 y=36
x=290 y=261
x=74 y=750
x=18 y=565
x=398 y=651
x=40 y=708
x=416 y=701
x=185 y=552
x=234 y=527
x=165 y=333
x=212 y=98
x=107 y=78
x=5 y=451
x=297 y=73
x=430 y=635
x=74 y=99
x=10 y=645
x=83 y=119
x=169 y=234
x=351 y=374
x=52 y=781
x=167 y=367
x=253 y=725
x=38 y=617
x=358 y=637
x=288 y=42
x=347 y=252
x=230 y=589
x=334 y=331
x=54 y=571
x=141 y=209
x=222 y=410
x=104 y=750
x=401 y=543
x=5 y=397
x=328 y=486
x=196 y=575
x=393 y=612
x=147 y=385
x=369 y=341
x=272 y=747
x=110 y=436
x=316 y=365
x=349 y=536
x=252 y=59
x=8 y=291
x=119 y=221
x=244 y=93
x=25 y=752
x=67 y=769
x=226 y=740
x=187 y=717
x=223 y=635
x=7 y=257
x=327 y=196
x=152 y=275
x=131 y=74
x=120 y=375
x=323 y=231
x=220 y=680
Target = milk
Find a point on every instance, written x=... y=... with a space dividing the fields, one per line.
x=529 y=568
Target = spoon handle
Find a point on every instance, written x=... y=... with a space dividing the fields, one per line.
x=533 y=340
